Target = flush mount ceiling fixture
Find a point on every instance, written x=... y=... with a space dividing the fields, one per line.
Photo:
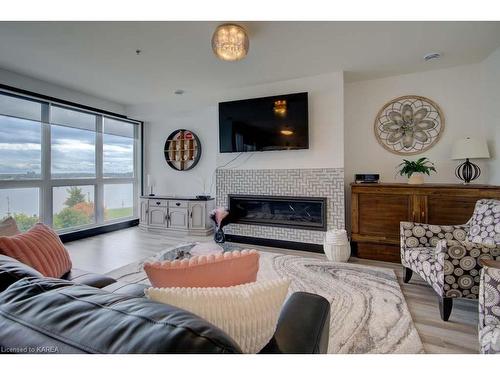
x=230 y=42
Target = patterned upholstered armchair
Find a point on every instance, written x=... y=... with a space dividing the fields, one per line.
x=489 y=308
x=444 y=257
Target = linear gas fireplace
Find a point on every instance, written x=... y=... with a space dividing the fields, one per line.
x=283 y=211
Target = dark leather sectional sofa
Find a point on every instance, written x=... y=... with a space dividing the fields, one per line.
x=91 y=313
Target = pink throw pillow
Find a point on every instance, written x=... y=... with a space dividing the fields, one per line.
x=8 y=227
x=219 y=270
x=40 y=248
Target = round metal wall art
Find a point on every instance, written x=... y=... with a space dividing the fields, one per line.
x=409 y=125
x=182 y=150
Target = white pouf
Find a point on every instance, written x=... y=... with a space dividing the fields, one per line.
x=336 y=245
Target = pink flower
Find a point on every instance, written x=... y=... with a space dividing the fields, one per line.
x=219 y=214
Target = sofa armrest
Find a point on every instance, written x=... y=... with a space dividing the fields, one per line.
x=303 y=326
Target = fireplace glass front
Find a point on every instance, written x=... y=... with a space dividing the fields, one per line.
x=289 y=212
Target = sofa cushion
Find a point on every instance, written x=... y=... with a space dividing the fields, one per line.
x=8 y=227
x=136 y=290
x=248 y=313
x=485 y=223
x=73 y=318
x=219 y=270
x=40 y=248
x=88 y=278
x=11 y=270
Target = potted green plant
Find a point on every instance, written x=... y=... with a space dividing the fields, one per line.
x=415 y=170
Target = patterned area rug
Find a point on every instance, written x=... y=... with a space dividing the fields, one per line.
x=368 y=311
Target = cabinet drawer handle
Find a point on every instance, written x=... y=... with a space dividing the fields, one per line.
x=177 y=204
x=158 y=203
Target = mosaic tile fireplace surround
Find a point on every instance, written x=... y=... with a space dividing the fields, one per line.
x=318 y=183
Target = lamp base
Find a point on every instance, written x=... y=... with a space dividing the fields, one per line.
x=467 y=171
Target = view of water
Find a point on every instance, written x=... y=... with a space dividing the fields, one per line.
x=25 y=200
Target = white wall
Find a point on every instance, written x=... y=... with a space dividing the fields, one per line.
x=490 y=79
x=326 y=130
x=159 y=123
x=469 y=96
x=59 y=92
x=325 y=133
x=455 y=90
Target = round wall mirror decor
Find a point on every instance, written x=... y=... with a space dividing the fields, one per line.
x=409 y=125
x=182 y=150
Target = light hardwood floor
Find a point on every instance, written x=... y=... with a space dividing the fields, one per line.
x=107 y=252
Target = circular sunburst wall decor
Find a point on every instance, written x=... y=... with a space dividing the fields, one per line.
x=409 y=125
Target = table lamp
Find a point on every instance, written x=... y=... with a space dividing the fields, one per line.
x=468 y=148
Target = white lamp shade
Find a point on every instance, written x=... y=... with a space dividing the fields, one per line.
x=468 y=148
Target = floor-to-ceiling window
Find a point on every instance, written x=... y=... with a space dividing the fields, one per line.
x=67 y=167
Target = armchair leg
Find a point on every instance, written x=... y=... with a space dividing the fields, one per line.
x=408 y=273
x=445 y=306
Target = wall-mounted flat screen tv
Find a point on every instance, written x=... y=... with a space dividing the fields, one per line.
x=264 y=124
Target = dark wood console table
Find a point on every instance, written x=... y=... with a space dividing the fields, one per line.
x=377 y=209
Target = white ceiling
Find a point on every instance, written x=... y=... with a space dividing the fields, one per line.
x=99 y=58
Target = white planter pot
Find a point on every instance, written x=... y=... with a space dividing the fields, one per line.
x=337 y=253
x=416 y=179
x=336 y=246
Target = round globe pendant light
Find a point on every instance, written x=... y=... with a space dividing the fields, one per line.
x=230 y=42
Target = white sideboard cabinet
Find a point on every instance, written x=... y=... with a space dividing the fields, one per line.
x=176 y=214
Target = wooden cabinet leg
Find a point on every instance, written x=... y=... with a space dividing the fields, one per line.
x=445 y=306
x=408 y=273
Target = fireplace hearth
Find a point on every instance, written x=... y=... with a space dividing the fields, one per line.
x=279 y=211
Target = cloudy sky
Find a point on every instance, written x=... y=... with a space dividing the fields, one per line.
x=73 y=153
x=73 y=150
x=19 y=146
